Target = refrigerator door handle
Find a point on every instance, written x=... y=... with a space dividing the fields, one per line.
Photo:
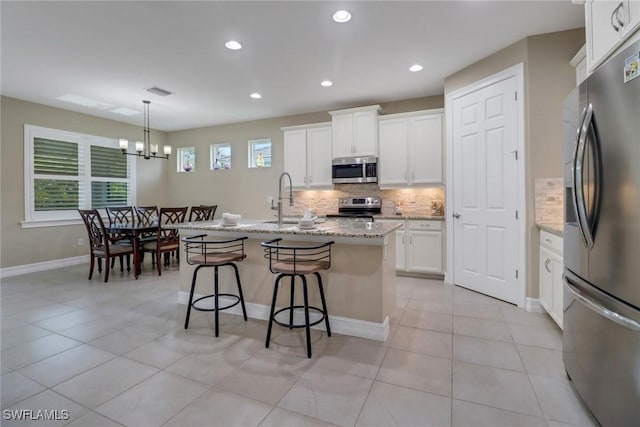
x=603 y=311
x=576 y=174
x=592 y=219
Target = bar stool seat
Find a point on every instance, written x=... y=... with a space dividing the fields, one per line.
x=214 y=253
x=291 y=261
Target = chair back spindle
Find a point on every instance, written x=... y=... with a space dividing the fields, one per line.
x=202 y=213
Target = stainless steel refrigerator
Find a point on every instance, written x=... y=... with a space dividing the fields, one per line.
x=601 y=334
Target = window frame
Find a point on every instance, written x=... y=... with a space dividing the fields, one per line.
x=33 y=218
x=213 y=157
x=251 y=150
x=180 y=164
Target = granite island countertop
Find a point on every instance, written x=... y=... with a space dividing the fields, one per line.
x=404 y=217
x=341 y=231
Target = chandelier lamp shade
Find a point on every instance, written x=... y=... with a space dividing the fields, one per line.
x=145 y=148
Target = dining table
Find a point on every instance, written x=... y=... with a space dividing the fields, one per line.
x=133 y=230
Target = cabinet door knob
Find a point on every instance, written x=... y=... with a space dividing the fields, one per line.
x=546 y=265
x=456 y=215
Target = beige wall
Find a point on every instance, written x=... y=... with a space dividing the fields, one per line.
x=242 y=190
x=25 y=246
x=157 y=180
x=548 y=80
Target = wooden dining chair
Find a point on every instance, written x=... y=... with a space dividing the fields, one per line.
x=100 y=244
x=147 y=215
x=167 y=240
x=120 y=215
x=202 y=213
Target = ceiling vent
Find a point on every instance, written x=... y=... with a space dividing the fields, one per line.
x=158 y=91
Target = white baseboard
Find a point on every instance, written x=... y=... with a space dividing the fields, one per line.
x=42 y=266
x=533 y=305
x=339 y=325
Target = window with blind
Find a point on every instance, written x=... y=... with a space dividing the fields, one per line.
x=66 y=171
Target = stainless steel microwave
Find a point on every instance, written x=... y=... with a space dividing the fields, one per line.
x=354 y=170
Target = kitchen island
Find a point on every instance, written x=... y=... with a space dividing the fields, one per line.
x=359 y=287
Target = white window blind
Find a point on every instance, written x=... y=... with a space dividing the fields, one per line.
x=66 y=171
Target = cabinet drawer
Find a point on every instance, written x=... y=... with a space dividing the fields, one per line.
x=424 y=225
x=551 y=241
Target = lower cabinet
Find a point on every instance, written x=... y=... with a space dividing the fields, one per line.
x=551 y=265
x=419 y=247
x=401 y=249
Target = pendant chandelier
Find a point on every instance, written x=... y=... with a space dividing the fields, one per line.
x=145 y=148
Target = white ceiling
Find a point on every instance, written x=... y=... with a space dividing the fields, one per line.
x=110 y=52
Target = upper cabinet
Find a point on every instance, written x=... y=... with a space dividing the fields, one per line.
x=608 y=24
x=355 y=131
x=579 y=62
x=411 y=148
x=307 y=155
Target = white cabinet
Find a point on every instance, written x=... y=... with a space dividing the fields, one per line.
x=608 y=24
x=355 y=131
x=401 y=258
x=551 y=286
x=424 y=246
x=307 y=155
x=579 y=62
x=419 y=246
x=411 y=148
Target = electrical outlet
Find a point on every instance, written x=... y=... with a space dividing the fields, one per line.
x=80 y=241
x=270 y=199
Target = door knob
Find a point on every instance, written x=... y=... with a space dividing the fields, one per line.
x=456 y=215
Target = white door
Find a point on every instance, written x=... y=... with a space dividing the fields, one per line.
x=319 y=157
x=485 y=177
x=393 y=151
x=295 y=155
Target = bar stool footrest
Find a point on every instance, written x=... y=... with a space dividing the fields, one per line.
x=237 y=298
x=301 y=325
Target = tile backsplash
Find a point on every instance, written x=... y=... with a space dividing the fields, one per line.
x=411 y=201
x=549 y=200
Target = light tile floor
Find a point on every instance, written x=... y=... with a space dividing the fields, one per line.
x=117 y=354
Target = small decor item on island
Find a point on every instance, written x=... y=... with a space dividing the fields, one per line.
x=307 y=220
x=229 y=219
x=187 y=167
x=437 y=208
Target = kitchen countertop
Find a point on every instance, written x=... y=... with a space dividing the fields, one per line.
x=551 y=227
x=345 y=231
x=410 y=216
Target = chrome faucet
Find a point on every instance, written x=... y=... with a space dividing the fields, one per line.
x=279 y=205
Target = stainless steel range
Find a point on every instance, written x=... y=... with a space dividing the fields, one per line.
x=358 y=208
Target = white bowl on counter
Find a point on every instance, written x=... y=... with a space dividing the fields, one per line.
x=230 y=219
x=307 y=223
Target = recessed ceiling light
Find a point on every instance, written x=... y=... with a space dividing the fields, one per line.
x=326 y=83
x=255 y=96
x=415 y=67
x=342 y=16
x=233 y=45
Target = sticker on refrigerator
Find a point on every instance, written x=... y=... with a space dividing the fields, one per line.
x=631 y=67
